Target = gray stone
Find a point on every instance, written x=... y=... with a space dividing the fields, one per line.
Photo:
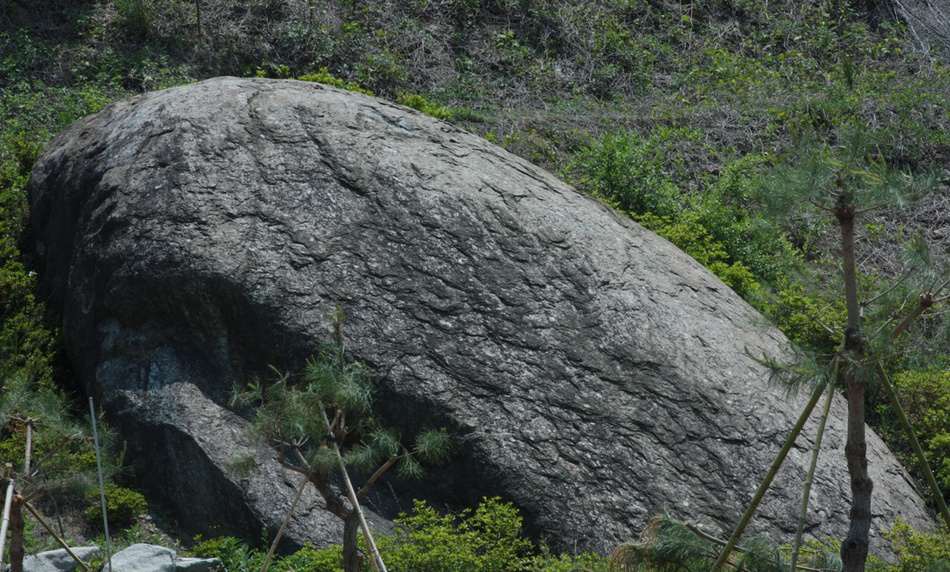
x=197 y=564
x=592 y=373
x=59 y=560
x=144 y=558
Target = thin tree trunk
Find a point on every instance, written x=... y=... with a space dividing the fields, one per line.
x=809 y=478
x=351 y=554
x=769 y=477
x=16 y=534
x=854 y=548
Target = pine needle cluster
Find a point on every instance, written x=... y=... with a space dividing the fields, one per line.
x=667 y=545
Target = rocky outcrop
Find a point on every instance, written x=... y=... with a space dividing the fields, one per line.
x=592 y=373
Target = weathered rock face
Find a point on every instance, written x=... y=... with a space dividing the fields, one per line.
x=594 y=374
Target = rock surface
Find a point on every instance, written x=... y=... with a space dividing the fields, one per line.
x=594 y=374
x=144 y=558
x=197 y=564
x=59 y=560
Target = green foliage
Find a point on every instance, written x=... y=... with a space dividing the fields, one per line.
x=586 y=562
x=811 y=320
x=925 y=396
x=487 y=539
x=123 y=505
x=324 y=76
x=670 y=546
x=290 y=414
x=311 y=560
x=422 y=104
x=63 y=459
x=135 y=17
x=629 y=172
x=689 y=234
x=850 y=165
x=916 y=551
x=235 y=555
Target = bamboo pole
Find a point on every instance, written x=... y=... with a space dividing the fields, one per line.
x=809 y=478
x=283 y=525
x=769 y=477
x=918 y=450
x=102 y=488
x=706 y=536
x=58 y=538
x=29 y=448
x=351 y=493
x=5 y=522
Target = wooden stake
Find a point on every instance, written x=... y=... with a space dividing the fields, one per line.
x=918 y=450
x=769 y=477
x=283 y=525
x=58 y=538
x=102 y=487
x=809 y=478
x=29 y=448
x=351 y=493
x=5 y=521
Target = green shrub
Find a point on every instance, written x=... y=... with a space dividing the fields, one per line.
x=325 y=77
x=422 y=104
x=634 y=173
x=311 y=560
x=925 y=395
x=237 y=556
x=695 y=239
x=123 y=505
x=586 y=562
x=487 y=539
x=916 y=551
x=134 y=17
x=809 y=320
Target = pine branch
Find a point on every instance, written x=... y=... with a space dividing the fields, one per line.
x=376 y=476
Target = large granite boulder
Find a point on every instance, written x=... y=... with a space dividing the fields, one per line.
x=592 y=373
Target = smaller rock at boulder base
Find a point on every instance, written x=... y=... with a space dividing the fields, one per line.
x=144 y=558
x=59 y=560
x=152 y=558
x=198 y=564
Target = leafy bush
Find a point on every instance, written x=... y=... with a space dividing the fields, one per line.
x=487 y=539
x=325 y=77
x=311 y=560
x=696 y=240
x=916 y=551
x=422 y=104
x=123 y=505
x=235 y=555
x=925 y=395
x=808 y=319
x=629 y=172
